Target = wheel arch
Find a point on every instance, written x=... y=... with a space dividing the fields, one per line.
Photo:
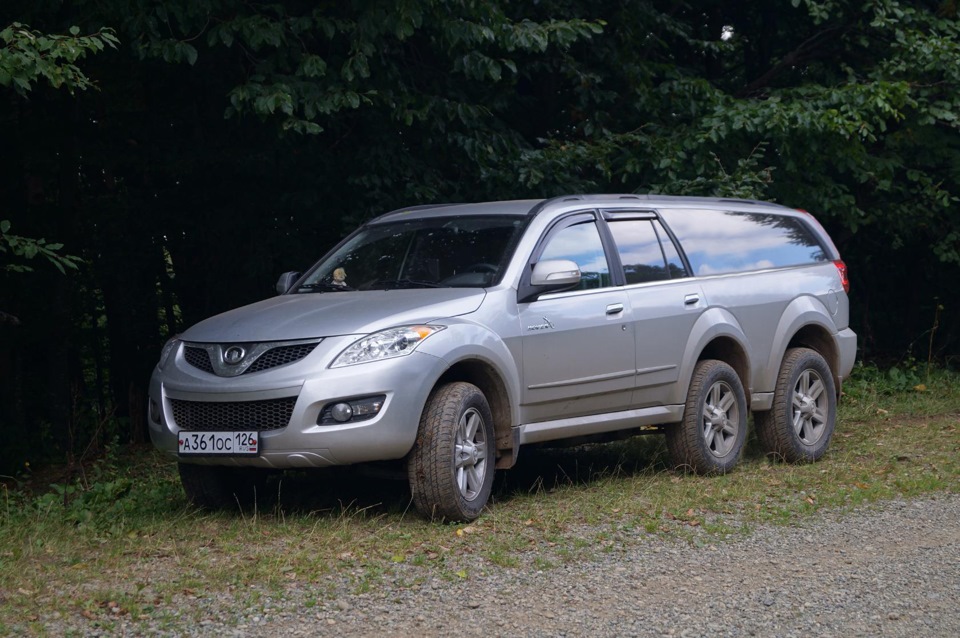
x=805 y=323
x=817 y=338
x=716 y=335
x=725 y=348
x=475 y=354
x=486 y=377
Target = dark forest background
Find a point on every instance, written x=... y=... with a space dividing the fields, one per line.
x=164 y=160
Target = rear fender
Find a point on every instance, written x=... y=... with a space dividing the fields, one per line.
x=801 y=313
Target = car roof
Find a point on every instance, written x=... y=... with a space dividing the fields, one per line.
x=523 y=207
x=519 y=207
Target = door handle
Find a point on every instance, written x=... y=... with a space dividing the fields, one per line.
x=614 y=308
x=691 y=299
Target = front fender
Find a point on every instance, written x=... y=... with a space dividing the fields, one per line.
x=465 y=340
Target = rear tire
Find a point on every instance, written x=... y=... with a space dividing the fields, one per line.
x=215 y=487
x=801 y=422
x=710 y=438
x=450 y=468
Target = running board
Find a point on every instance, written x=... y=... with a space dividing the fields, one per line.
x=598 y=423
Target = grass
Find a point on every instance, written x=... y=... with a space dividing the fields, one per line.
x=124 y=547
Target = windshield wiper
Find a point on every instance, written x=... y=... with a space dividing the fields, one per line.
x=322 y=286
x=392 y=284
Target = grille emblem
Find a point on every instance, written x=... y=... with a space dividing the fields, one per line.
x=234 y=355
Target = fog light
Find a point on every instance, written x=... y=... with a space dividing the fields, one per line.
x=341 y=412
x=367 y=407
x=352 y=410
x=154 y=411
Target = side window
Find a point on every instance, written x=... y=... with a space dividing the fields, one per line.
x=674 y=262
x=719 y=242
x=646 y=251
x=581 y=243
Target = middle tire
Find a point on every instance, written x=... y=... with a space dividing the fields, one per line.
x=710 y=438
x=450 y=468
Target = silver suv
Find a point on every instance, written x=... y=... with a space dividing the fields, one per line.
x=451 y=336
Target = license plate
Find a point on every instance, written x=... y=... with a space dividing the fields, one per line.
x=218 y=443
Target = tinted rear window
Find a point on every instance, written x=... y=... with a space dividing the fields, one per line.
x=646 y=252
x=718 y=242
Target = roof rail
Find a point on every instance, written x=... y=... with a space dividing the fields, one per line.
x=734 y=200
x=538 y=208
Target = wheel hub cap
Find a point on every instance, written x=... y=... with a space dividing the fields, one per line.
x=470 y=454
x=720 y=419
x=810 y=406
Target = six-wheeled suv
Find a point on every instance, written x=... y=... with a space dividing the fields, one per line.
x=450 y=336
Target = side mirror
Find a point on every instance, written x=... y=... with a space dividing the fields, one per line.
x=548 y=276
x=286 y=280
x=555 y=273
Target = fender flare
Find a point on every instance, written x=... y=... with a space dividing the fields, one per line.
x=801 y=312
x=714 y=323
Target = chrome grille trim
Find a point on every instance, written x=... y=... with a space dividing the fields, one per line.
x=209 y=357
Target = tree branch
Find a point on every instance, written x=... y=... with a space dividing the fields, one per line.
x=801 y=53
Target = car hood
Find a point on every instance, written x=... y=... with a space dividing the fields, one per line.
x=329 y=314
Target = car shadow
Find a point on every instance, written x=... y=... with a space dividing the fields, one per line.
x=381 y=489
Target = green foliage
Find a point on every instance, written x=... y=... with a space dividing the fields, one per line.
x=100 y=502
x=857 y=103
x=27 y=56
x=306 y=65
x=890 y=381
x=232 y=141
x=29 y=248
x=113 y=495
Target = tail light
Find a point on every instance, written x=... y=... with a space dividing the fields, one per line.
x=842 y=269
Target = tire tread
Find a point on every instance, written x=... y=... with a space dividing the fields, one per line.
x=430 y=465
x=773 y=427
x=684 y=439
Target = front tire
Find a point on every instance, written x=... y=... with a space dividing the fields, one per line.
x=451 y=465
x=798 y=427
x=215 y=487
x=710 y=438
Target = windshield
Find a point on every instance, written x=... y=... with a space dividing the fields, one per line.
x=440 y=252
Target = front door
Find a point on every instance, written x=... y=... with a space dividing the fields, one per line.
x=578 y=345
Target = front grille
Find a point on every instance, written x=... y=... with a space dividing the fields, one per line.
x=281 y=355
x=198 y=358
x=202 y=358
x=259 y=416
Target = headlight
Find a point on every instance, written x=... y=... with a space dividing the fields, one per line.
x=386 y=344
x=168 y=348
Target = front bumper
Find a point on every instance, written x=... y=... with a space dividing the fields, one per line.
x=404 y=381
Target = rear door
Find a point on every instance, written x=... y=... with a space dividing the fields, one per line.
x=665 y=301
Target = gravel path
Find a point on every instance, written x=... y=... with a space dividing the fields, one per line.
x=889 y=571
